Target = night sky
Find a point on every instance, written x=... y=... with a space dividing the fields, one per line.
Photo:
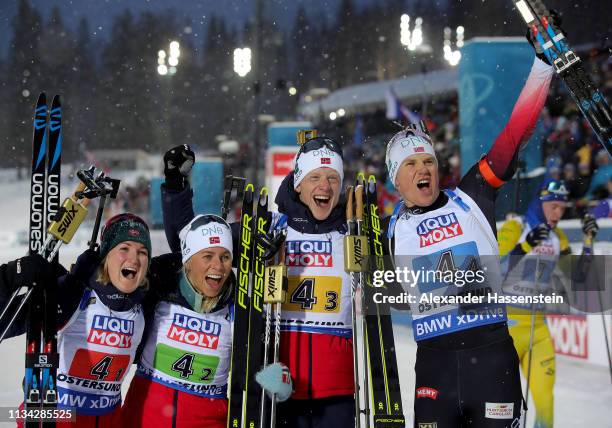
x=193 y=13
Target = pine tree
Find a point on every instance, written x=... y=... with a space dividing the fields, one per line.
x=24 y=81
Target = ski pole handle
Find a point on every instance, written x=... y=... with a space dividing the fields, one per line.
x=349 y=204
x=359 y=202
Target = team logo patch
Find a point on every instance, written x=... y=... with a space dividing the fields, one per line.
x=499 y=410
x=133 y=232
x=194 y=331
x=309 y=253
x=437 y=229
x=427 y=392
x=325 y=161
x=111 y=331
x=214 y=240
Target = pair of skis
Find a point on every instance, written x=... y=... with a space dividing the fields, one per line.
x=364 y=255
x=246 y=399
x=51 y=225
x=568 y=66
x=42 y=360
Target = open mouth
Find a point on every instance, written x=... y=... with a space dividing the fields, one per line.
x=213 y=279
x=423 y=183
x=129 y=272
x=322 y=201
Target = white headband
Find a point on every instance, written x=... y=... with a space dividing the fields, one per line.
x=313 y=159
x=403 y=145
x=209 y=235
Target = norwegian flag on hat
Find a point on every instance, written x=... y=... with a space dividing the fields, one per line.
x=325 y=161
x=419 y=149
x=214 y=240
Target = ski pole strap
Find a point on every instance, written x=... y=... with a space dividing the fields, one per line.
x=393 y=220
x=456 y=199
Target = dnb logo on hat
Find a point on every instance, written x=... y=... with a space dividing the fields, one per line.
x=325 y=161
x=214 y=240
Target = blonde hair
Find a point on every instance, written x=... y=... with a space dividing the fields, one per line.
x=208 y=303
x=104 y=278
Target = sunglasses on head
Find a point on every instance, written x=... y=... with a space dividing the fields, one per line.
x=556 y=187
x=320 y=142
x=205 y=219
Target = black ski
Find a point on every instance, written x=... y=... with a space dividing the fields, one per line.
x=242 y=304
x=568 y=65
x=34 y=323
x=52 y=203
x=384 y=375
x=254 y=395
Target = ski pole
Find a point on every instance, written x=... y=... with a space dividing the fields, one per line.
x=355 y=251
x=359 y=230
x=603 y=317
x=531 y=336
x=61 y=231
x=275 y=294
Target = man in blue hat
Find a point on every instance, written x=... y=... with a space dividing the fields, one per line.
x=534 y=244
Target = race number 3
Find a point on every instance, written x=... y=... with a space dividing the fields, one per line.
x=314 y=294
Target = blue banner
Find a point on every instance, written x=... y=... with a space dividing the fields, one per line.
x=491 y=76
x=285 y=133
x=207 y=185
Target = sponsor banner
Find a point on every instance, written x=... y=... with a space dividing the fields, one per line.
x=446 y=322
x=308 y=253
x=87 y=404
x=111 y=331
x=434 y=230
x=194 y=331
x=282 y=163
x=570 y=334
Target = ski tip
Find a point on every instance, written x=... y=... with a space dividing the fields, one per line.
x=263 y=191
x=56 y=101
x=42 y=98
x=360 y=176
x=372 y=179
x=249 y=188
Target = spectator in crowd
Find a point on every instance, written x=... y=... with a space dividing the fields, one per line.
x=598 y=188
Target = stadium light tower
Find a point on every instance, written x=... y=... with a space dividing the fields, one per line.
x=167 y=63
x=412 y=39
x=242 y=61
x=453 y=56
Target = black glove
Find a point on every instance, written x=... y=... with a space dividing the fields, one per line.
x=85 y=265
x=589 y=226
x=555 y=20
x=178 y=162
x=271 y=243
x=537 y=235
x=28 y=271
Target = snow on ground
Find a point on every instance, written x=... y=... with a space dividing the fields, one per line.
x=583 y=392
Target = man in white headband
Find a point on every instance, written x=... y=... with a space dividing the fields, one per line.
x=413 y=167
x=318 y=176
x=462 y=350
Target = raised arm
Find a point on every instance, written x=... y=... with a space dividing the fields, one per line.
x=499 y=164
